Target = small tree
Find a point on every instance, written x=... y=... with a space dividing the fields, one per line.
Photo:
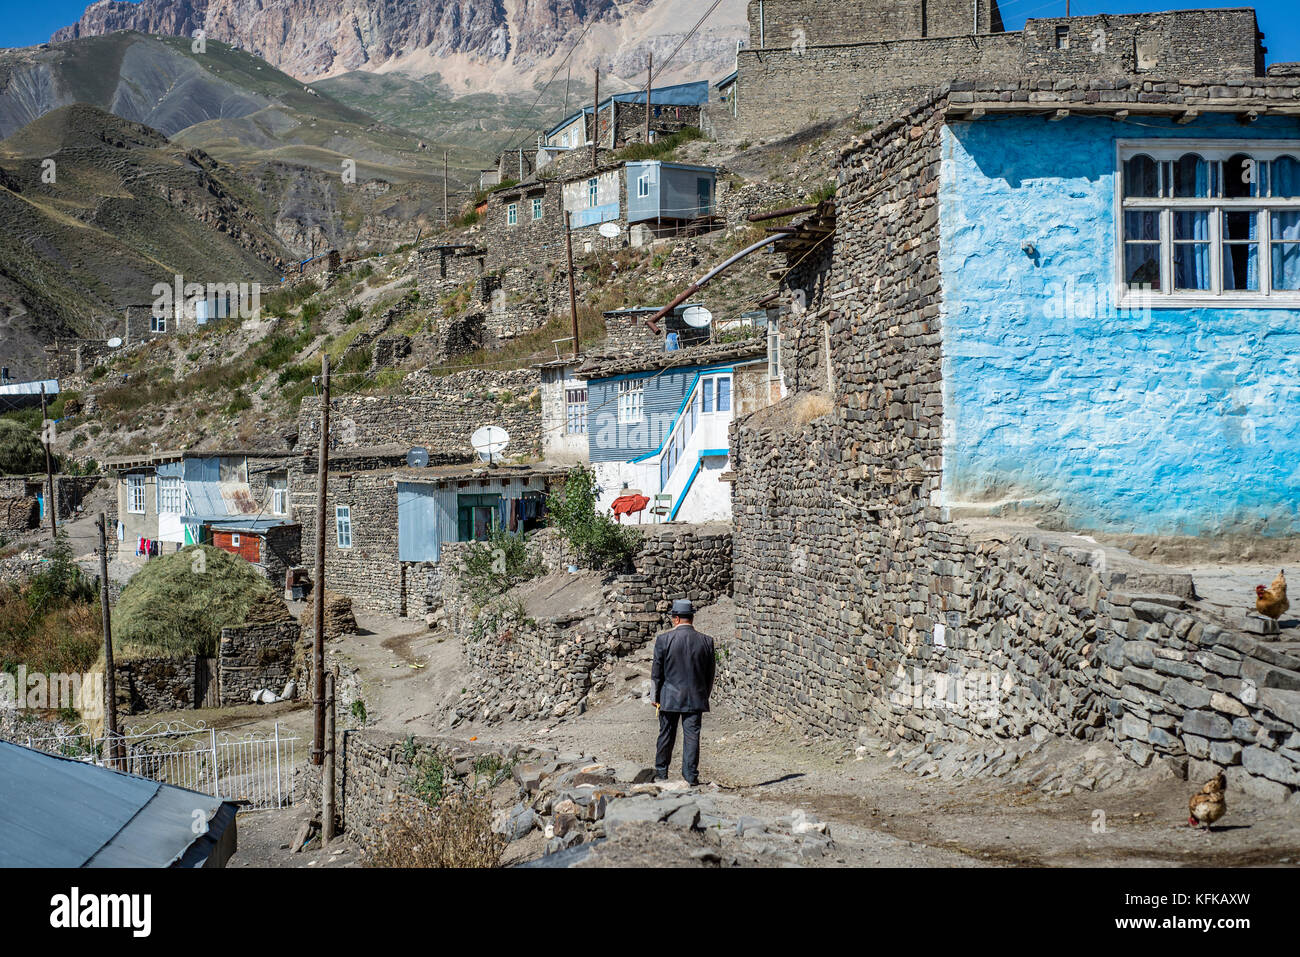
x=596 y=539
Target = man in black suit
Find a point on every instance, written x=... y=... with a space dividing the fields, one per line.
x=683 y=681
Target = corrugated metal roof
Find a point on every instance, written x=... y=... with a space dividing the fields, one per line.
x=681 y=94
x=56 y=812
x=31 y=388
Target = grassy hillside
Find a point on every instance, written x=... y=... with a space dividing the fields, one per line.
x=126 y=209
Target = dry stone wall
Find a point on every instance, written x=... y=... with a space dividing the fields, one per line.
x=862 y=607
x=547 y=667
x=255 y=658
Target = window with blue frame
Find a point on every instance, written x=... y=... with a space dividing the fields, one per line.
x=1210 y=221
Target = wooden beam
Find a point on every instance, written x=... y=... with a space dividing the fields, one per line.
x=1188 y=117
x=1058 y=116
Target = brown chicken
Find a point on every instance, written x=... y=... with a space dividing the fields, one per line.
x=1271 y=601
x=1208 y=804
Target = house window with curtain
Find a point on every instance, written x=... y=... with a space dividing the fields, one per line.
x=135 y=494
x=169 y=495
x=575 y=408
x=1212 y=223
x=279 y=489
x=343 y=526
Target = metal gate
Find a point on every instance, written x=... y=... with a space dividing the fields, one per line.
x=254 y=769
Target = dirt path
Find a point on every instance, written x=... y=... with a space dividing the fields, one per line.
x=879 y=814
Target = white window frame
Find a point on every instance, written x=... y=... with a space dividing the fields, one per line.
x=631 y=401
x=1165 y=151
x=593 y=192
x=342 y=525
x=234 y=539
x=134 y=488
x=575 y=418
x=512 y=214
x=279 y=497
x=643 y=186
x=537 y=208
x=171 y=495
x=157 y=323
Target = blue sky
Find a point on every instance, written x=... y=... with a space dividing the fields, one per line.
x=25 y=22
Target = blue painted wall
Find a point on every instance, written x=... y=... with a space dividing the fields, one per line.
x=1178 y=421
x=664 y=394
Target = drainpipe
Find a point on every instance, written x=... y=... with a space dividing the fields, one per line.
x=976 y=12
x=693 y=288
x=762 y=26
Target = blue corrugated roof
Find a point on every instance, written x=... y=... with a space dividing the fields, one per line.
x=56 y=812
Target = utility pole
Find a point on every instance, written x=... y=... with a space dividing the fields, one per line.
x=446 y=158
x=595 y=122
x=51 y=505
x=327 y=779
x=649 y=82
x=573 y=292
x=318 y=640
x=110 y=678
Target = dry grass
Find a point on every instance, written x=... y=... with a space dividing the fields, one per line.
x=812 y=406
x=457 y=833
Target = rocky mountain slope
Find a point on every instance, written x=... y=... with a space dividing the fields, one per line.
x=126 y=209
x=295 y=140
x=476 y=46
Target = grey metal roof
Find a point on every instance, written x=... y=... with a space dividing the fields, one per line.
x=31 y=388
x=57 y=812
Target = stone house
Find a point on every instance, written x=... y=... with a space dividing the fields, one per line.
x=1032 y=296
x=273 y=546
x=622 y=117
x=387 y=527
x=658 y=424
x=564 y=412
x=816 y=60
x=167 y=500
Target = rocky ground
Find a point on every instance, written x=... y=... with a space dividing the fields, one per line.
x=776 y=798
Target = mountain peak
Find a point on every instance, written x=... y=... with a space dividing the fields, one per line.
x=483 y=45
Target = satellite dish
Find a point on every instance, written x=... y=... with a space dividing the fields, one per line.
x=417 y=458
x=490 y=441
x=610 y=230
x=115 y=343
x=697 y=317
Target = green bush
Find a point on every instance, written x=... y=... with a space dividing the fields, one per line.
x=499 y=564
x=596 y=539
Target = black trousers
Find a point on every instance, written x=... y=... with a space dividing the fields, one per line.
x=691 y=721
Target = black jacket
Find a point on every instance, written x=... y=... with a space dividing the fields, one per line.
x=683 y=670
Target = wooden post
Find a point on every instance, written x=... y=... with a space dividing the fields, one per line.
x=318 y=639
x=573 y=291
x=446 y=216
x=595 y=122
x=649 y=82
x=51 y=502
x=110 y=679
x=327 y=778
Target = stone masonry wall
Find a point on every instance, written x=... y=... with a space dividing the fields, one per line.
x=861 y=605
x=253 y=658
x=440 y=414
x=846 y=58
x=548 y=666
x=151 y=685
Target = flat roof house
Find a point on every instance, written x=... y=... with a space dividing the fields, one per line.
x=1096 y=291
x=167 y=500
x=658 y=424
x=622 y=117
